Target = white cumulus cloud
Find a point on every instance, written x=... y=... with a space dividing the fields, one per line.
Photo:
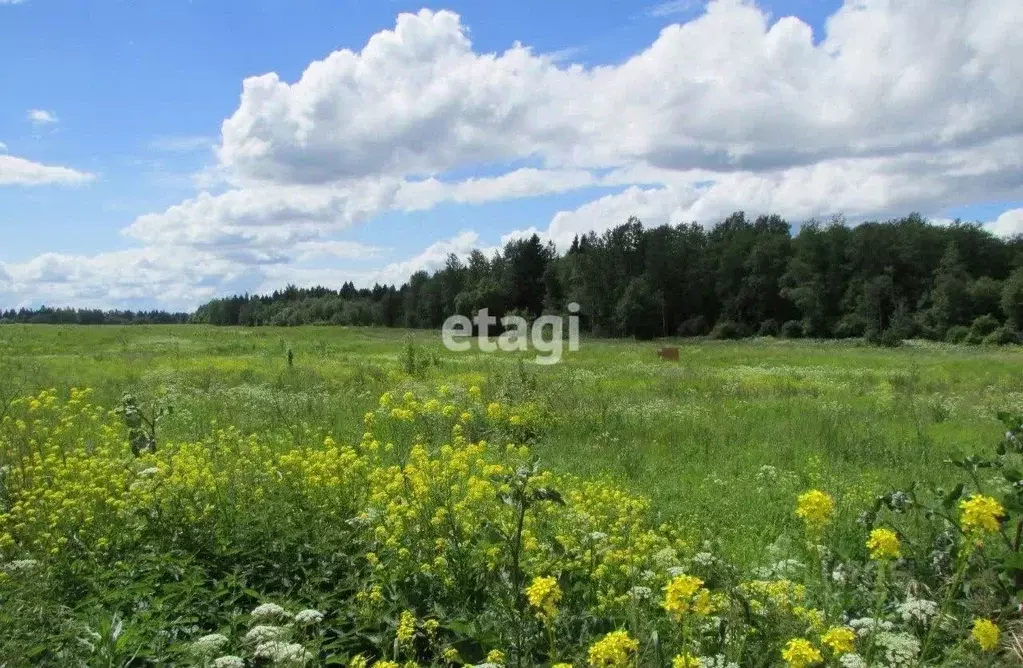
x=20 y=171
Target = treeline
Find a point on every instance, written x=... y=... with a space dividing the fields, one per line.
x=886 y=281
x=79 y=316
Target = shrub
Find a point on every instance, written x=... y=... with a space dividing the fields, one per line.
x=727 y=329
x=851 y=326
x=1002 y=336
x=694 y=326
x=792 y=329
x=768 y=327
x=957 y=334
x=891 y=337
x=982 y=326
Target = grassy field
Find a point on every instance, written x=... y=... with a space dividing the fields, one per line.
x=366 y=498
x=721 y=441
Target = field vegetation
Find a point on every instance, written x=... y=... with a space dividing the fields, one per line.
x=200 y=496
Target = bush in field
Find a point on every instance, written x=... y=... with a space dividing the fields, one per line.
x=437 y=540
x=728 y=330
x=982 y=327
x=695 y=326
x=792 y=329
x=957 y=334
x=768 y=327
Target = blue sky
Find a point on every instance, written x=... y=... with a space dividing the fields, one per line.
x=135 y=172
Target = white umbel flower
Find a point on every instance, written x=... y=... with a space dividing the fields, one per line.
x=269 y=612
x=229 y=661
x=308 y=617
x=285 y=653
x=209 y=645
x=263 y=633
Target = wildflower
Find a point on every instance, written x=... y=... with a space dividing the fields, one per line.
x=229 y=661
x=308 y=617
x=268 y=612
x=494 y=411
x=544 y=594
x=386 y=399
x=685 y=661
x=263 y=633
x=475 y=392
x=981 y=514
x=986 y=634
x=496 y=656
x=800 y=653
x=899 y=649
x=406 y=629
x=841 y=639
x=613 y=650
x=358 y=661
x=386 y=664
x=815 y=508
x=562 y=665
x=283 y=652
x=685 y=593
x=208 y=645
x=883 y=544
x=640 y=593
x=917 y=610
x=451 y=655
x=852 y=661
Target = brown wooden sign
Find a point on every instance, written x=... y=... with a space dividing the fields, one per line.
x=668 y=353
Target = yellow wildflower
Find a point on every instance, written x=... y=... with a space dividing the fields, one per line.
x=800 y=653
x=613 y=650
x=544 y=594
x=841 y=639
x=986 y=633
x=451 y=655
x=685 y=661
x=815 y=508
x=685 y=593
x=494 y=411
x=883 y=544
x=496 y=656
x=981 y=514
x=406 y=629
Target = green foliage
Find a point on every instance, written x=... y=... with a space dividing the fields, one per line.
x=633 y=281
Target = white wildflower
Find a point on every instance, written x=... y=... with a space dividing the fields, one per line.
x=900 y=649
x=283 y=652
x=209 y=645
x=597 y=536
x=152 y=470
x=864 y=626
x=269 y=612
x=307 y=617
x=718 y=661
x=704 y=559
x=852 y=660
x=263 y=633
x=666 y=557
x=917 y=610
x=21 y=565
x=229 y=661
x=676 y=571
x=640 y=593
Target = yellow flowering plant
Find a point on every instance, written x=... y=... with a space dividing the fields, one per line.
x=424 y=520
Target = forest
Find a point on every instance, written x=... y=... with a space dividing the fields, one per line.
x=885 y=281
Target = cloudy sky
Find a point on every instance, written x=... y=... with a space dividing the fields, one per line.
x=156 y=154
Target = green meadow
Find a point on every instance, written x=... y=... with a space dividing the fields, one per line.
x=721 y=440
